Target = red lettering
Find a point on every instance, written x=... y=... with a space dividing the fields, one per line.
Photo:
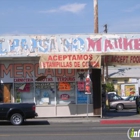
x=49 y=72
x=28 y=69
x=127 y=43
x=92 y=44
x=6 y=71
x=55 y=58
x=137 y=44
x=18 y=70
x=120 y=43
x=108 y=45
x=74 y=57
x=50 y=58
x=36 y=71
x=85 y=57
x=59 y=73
x=70 y=74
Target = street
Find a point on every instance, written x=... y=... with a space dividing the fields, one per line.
x=42 y=130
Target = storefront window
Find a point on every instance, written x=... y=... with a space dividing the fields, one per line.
x=66 y=93
x=45 y=93
x=83 y=98
x=24 y=92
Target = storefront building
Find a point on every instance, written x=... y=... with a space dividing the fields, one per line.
x=53 y=71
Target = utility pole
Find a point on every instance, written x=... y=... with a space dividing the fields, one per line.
x=105 y=31
x=95 y=16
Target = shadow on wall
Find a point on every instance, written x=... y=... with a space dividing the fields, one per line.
x=77 y=110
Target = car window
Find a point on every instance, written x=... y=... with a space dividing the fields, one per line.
x=132 y=98
x=116 y=97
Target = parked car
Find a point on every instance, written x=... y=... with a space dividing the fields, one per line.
x=112 y=92
x=16 y=113
x=113 y=97
x=128 y=103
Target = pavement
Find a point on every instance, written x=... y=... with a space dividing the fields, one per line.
x=111 y=117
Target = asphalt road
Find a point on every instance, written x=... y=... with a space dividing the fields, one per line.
x=42 y=130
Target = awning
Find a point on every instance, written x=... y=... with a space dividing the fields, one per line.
x=69 y=61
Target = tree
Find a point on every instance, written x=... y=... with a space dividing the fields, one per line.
x=109 y=87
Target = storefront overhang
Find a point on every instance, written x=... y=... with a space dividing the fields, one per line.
x=70 y=61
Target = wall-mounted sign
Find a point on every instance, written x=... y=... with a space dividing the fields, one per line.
x=64 y=96
x=33 y=45
x=81 y=86
x=72 y=61
x=122 y=60
x=64 y=86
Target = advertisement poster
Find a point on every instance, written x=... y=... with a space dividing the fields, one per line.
x=81 y=86
x=129 y=90
x=81 y=97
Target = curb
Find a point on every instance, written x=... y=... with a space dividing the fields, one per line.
x=120 y=121
x=55 y=120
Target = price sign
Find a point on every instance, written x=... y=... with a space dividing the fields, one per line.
x=64 y=86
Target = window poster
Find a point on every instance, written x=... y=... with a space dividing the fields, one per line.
x=64 y=86
x=24 y=92
x=129 y=90
x=81 y=86
x=66 y=96
x=81 y=97
x=45 y=93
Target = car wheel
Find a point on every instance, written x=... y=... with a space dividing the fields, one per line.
x=119 y=107
x=16 y=119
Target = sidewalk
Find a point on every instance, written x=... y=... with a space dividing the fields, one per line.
x=109 y=118
x=71 y=120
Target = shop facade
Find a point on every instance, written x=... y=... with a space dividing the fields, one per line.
x=51 y=70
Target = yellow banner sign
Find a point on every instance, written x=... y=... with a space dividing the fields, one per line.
x=71 y=61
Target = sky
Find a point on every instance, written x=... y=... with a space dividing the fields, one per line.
x=68 y=16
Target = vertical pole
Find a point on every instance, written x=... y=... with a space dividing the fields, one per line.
x=106 y=72
x=87 y=104
x=95 y=16
x=34 y=86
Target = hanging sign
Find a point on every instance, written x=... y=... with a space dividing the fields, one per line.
x=71 y=61
x=64 y=86
x=87 y=84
